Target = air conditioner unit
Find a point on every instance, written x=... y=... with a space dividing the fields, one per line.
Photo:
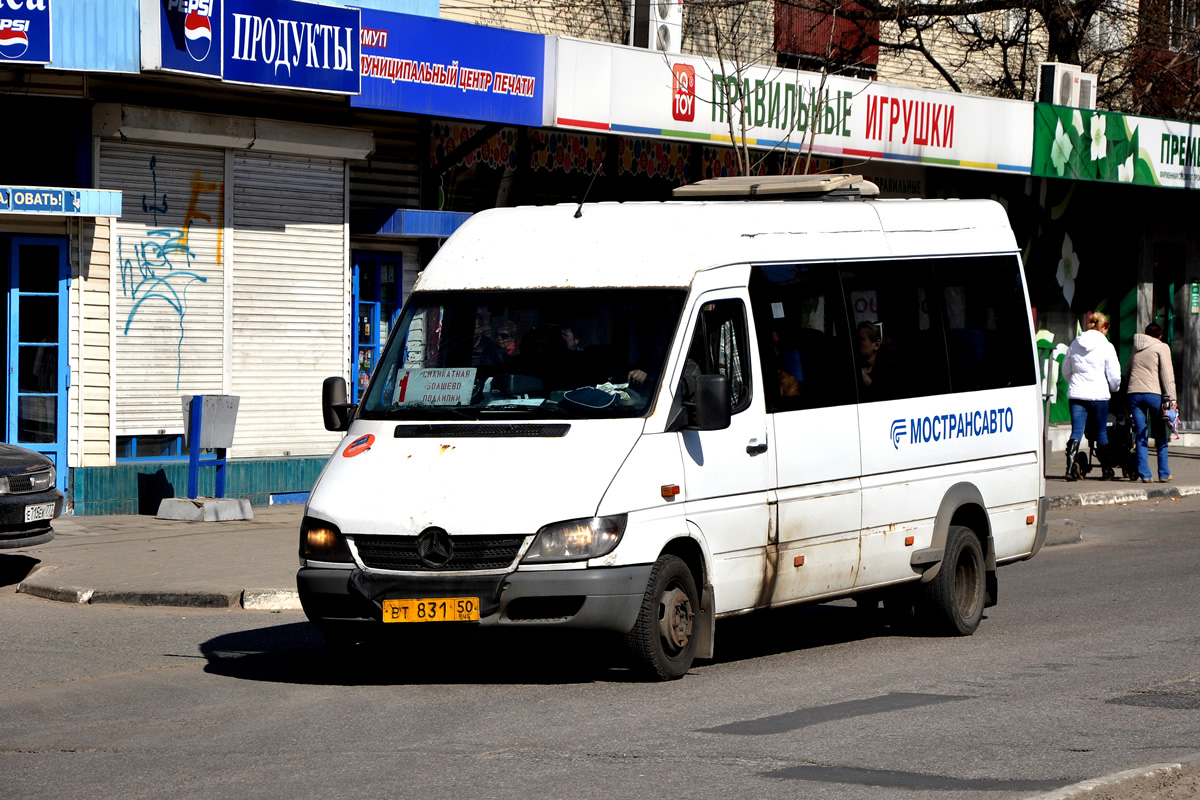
x=656 y=24
x=1066 y=85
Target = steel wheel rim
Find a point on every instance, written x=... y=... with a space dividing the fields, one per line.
x=675 y=619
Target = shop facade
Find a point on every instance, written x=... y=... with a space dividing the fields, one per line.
x=223 y=230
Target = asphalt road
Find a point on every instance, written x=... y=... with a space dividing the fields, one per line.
x=1089 y=665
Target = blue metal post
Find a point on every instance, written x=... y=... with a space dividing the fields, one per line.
x=220 y=479
x=194 y=447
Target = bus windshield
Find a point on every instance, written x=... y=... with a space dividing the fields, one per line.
x=538 y=354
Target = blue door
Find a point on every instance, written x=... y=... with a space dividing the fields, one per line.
x=38 y=366
x=377 y=301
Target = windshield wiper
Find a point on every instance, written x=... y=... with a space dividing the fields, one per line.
x=424 y=411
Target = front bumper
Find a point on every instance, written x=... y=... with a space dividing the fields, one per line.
x=595 y=599
x=15 y=532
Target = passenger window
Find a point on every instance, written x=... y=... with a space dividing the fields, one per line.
x=803 y=337
x=900 y=350
x=719 y=348
x=987 y=329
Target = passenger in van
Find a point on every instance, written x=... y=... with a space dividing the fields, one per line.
x=872 y=370
x=571 y=338
x=1093 y=373
x=788 y=367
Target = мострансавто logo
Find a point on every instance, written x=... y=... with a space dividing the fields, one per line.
x=359 y=446
x=919 y=430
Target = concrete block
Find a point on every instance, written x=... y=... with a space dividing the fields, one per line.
x=271 y=600
x=204 y=509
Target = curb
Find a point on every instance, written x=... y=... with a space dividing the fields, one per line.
x=1093 y=787
x=1114 y=497
x=249 y=599
x=271 y=600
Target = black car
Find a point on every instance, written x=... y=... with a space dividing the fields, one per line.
x=28 y=499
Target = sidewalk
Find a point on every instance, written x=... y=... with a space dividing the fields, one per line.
x=140 y=560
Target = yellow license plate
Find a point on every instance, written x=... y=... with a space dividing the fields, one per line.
x=433 y=609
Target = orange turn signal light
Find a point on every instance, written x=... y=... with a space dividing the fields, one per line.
x=908 y=540
x=670 y=490
x=1029 y=520
x=799 y=562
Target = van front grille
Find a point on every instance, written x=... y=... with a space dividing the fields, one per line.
x=399 y=553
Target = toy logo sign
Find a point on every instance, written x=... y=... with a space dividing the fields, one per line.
x=683 y=92
x=359 y=446
x=25 y=31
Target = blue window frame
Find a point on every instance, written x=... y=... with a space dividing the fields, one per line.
x=156 y=447
x=377 y=299
x=39 y=374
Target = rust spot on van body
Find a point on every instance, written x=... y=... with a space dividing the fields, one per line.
x=770 y=574
x=445 y=448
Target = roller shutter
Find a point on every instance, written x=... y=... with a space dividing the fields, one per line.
x=290 y=299
x=167 y=280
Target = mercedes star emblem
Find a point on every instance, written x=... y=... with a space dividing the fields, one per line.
x=434 y=548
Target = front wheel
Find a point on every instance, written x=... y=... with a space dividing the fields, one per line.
x=956 y=595
x=663 y=640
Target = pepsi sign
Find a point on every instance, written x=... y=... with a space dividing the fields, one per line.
x=282 y=43
x=189 y=36
x=25 y=31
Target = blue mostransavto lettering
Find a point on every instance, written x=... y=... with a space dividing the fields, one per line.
x=451 y=69
x=291 y=44
x=25 y=32
x=960 y=425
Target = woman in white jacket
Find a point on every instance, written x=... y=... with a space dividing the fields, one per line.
x=1093 y=373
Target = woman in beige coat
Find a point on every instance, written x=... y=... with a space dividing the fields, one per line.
x=1151 y=383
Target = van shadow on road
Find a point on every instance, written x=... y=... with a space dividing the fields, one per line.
x=296 y=653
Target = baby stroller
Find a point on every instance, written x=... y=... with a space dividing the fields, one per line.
x=1122 y=453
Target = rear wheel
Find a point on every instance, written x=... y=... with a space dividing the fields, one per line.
x=663 y=640
x=956 y=595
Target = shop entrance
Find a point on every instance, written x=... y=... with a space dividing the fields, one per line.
x=1168 y=278
x=377 y=300
x=38 y=374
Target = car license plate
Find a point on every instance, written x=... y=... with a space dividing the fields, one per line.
x=433 y=609
x=39 y=512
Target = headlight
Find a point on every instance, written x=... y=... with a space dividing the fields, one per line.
x=43 y=480
x=576 y=539
x=322 y=541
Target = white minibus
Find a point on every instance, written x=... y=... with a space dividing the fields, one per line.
x=643 y=417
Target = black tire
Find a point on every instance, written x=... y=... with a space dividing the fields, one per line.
x=663 y=640
x=956 y=595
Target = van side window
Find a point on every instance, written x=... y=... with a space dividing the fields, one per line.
x=719 y=348
x=803 y=338
x=987 y=328
x=900 y=350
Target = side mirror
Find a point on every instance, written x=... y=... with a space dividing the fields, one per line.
x=712 y=403
x=335 y=408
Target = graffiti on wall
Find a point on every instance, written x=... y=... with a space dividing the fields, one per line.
x=157 y=266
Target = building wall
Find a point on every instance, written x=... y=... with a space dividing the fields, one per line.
x=91 y=431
